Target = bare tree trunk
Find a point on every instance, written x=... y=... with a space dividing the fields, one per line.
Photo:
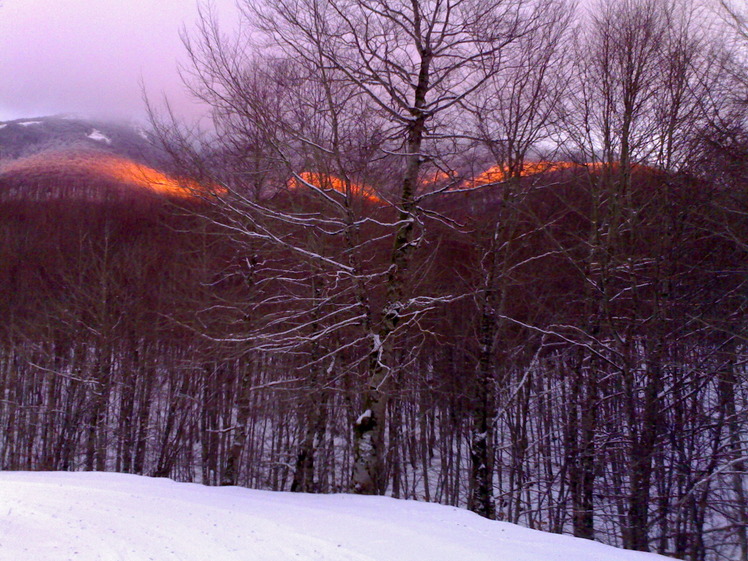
x=231 y=469
x=581 y=453
x=368 y=430
x=481 y=499
x=727 y=383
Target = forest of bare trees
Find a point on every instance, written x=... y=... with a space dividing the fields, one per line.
x=487 y=253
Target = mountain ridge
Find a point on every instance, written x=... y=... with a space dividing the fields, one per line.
x=28 y=136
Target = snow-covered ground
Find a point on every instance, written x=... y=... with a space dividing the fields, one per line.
x=99 y=136
x=107 y=517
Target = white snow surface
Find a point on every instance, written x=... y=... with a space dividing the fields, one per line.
x=100 y=136
x=28 y=123
x=142 y=133
x=46 y=516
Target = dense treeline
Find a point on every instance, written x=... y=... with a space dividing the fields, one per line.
x=383 y=288
x=115 y=358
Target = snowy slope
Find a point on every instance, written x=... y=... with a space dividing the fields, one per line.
x=108 y=517
x=25 y=137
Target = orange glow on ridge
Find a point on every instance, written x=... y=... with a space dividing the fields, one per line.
x=105 y=165
x=330 y=182
x=145 y=176
x=438 y=176
x=497 y=174
x=494 y=174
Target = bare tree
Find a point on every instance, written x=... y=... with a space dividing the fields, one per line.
x=406 y=64
x=514 y=115
x=619 y=64
x=736 y=16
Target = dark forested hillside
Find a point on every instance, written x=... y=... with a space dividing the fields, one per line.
x=486 y=253
x=139 y=336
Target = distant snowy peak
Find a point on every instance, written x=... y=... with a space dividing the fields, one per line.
x=24 y=137
x=99 y=136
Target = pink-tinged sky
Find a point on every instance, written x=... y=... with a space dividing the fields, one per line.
x=87 y=57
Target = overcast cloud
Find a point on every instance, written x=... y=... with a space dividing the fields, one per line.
x=87 y=57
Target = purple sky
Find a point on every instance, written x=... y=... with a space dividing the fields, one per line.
x=87 y=57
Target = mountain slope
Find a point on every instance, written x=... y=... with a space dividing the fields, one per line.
x=51 y=158
x=89 y=174
x=25 y=137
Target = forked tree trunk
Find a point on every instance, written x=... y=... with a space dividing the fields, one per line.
x=368 y=429
x=230 y=473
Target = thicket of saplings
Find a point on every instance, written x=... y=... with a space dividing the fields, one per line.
x=139 y=337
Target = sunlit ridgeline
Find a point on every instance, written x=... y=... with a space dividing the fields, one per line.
x=88 y=175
